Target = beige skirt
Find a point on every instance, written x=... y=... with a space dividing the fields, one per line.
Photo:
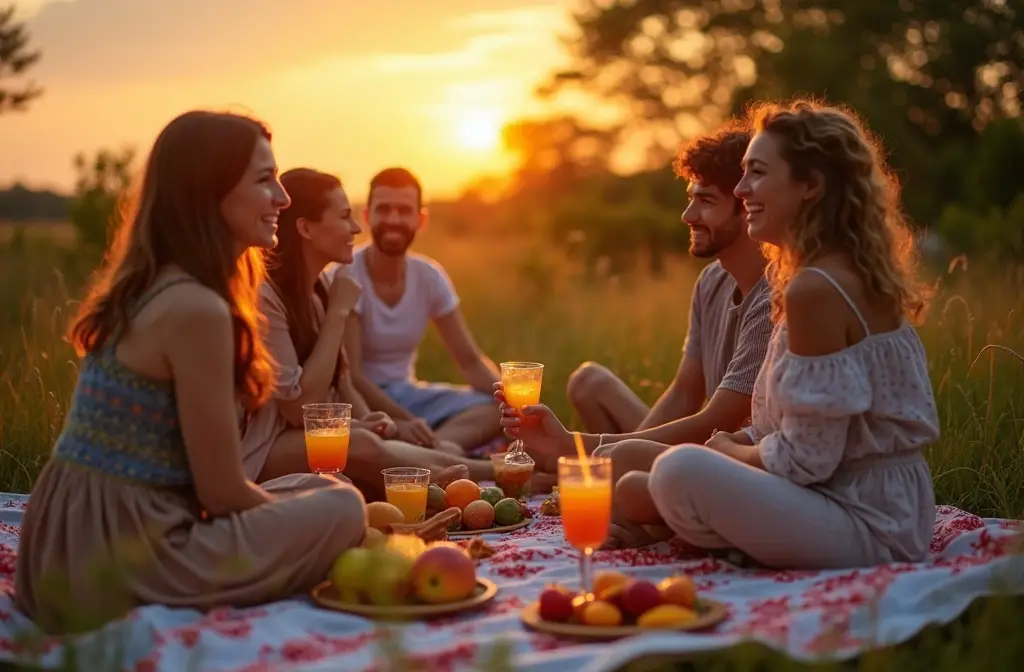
x=93 y=547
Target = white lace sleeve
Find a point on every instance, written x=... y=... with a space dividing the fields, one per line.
x=817 y=397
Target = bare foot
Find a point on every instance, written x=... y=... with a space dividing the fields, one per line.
x=627 y=535
x=542 y=482
x=451 y=474
x=660 y=532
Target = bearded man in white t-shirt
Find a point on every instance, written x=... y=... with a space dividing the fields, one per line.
x=403 y=292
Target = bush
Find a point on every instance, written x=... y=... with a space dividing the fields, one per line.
x=101 y=185
x=997 y=234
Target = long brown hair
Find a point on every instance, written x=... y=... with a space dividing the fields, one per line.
x=195 y=162
x=858 y=211
x=308 y=190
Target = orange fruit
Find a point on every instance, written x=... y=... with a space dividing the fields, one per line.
x=601 y=614
x=380 y=515
x=678 y=590
x=478 y=515
x=666 y=616
x=461 y=493
x=608 y=579
x=579 y=604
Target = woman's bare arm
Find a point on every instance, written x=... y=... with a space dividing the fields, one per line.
x=349 y=394
x=318 y=369
x=200 y=350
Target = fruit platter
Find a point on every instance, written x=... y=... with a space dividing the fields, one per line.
x=401 y=575
x=484 y=510
x=622 y=606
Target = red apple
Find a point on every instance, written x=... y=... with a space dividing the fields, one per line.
x=555 y=605
x=443 y=574
x=639 y=597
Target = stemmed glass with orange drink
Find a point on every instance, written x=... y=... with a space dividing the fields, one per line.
x=327 y=428
x=522 y=383
x=585 y=500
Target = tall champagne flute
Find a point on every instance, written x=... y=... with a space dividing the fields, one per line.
x=522 y=383
x=585 y=499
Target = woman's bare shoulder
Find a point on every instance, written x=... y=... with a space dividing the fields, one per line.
x=184 y=310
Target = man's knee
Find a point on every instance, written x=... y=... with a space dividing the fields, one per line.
x=586 y=381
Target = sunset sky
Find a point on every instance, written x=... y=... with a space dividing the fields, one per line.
x=347 y=86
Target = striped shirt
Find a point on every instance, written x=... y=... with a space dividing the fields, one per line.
x=728 y=335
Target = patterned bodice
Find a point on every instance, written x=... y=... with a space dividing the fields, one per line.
x=124 y=424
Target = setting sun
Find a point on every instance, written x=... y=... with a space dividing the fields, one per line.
x=479 y=130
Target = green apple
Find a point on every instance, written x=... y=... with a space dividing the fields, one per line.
x=350 y=572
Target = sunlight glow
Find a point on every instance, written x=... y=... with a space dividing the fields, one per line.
x=479 y=130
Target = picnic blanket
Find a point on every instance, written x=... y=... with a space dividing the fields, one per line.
x=809 y=615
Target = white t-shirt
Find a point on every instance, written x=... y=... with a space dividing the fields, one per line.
x=392 y=335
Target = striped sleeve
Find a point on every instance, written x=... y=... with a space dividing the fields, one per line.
x=692 y=345
x=751 y=346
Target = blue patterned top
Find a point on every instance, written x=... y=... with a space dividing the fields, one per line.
x=123 y=423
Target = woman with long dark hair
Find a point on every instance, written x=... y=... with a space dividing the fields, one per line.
x=144 y=499
x=307 y=309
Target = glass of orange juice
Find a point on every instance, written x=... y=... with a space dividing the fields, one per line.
x=522 y=383
x=327 y=435
x=406 y=490
x=512 y=478
x=585 y=499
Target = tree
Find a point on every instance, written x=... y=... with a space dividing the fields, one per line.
x=679 y=65
x=15 y=60
x=553 y=153
x=101 y=187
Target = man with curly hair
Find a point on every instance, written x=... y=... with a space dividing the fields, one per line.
x=729 y=326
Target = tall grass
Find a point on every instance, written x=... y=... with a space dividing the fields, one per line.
x=527 y=301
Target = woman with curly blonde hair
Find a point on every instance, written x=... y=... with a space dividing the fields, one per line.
x=830 y=474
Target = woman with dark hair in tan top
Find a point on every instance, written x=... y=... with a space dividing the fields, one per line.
x=307 y=309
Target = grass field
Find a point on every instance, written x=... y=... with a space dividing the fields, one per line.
x=527 y=302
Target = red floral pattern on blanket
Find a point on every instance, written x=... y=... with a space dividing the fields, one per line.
x=807 y=614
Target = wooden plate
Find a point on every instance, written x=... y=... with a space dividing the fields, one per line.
x=715 y=613
x=327 y=596
x=491 y=530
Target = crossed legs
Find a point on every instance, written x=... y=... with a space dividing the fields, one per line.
x=605 y=404
x=713 y=502
x=473 y=427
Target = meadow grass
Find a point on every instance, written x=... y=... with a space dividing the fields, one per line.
x=526 y=301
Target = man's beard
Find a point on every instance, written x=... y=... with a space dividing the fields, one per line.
x=390 y=247
x=716 y=241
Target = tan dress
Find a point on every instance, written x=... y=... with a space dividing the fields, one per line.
x=113 y=521
x=266 y=425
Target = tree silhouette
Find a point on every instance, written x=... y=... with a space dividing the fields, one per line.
x=15 y=59
x=928 y=68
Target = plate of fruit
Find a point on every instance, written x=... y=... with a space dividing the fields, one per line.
x=402 y=576
x=622 y=606
x=482 y=510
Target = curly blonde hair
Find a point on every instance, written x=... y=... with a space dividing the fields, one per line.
x=858 y=208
